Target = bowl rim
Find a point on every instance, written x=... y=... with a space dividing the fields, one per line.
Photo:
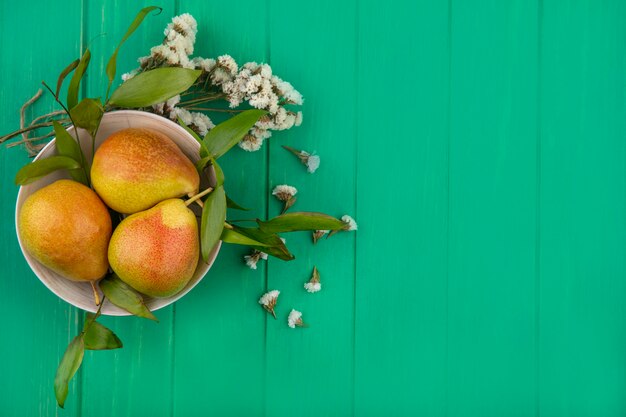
x=170 y=300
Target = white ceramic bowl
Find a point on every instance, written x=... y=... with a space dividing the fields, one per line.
x=80 y=294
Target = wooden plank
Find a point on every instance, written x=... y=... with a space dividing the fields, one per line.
x=310 y=370
x=135 y=380
x=583 y=191
x=492 y=212
x=36 y=325
x=402 y=209
x=220 y=327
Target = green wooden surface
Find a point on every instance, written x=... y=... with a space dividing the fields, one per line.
x=481 y=146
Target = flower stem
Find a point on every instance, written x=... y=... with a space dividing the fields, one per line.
x=213 y=109
x=198 y=196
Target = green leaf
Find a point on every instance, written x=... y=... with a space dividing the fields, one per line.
x=227 y=134
x=212 y=224
x=232 y=205
x=202 y=163
x=72 y=91
x=64 y=74
x=99 y=337
x=237 y=238
x=66 y=145
x=37 y=169
x=87 y=114
x=112 y=64
x=68 y=366
x=203 y=150
x=123 y=296
x=219 y=174
x=273 y=244
x=154 y=86
x=298 y=221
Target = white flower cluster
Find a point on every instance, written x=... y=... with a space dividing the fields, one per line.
x=268 y=301
x=180 y=36
x=313 y=286
x=252 y=83
x=284 y=192
x=256 y=84
x=350 y=223
x=254 y=258
x=198 y=122
x=295 y=319
x=312 y=162
x=269 y=298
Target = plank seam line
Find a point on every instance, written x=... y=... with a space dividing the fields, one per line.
x=266 y=274
x=356 y=81
x=538 y=212
x=447 y=259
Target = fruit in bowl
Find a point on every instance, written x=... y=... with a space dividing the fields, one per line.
x=67 y=228
x=134 y=169
x=143 y=164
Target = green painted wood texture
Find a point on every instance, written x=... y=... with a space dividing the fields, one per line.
x=480 y=145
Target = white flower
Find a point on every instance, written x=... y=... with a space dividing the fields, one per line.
x=268 y=301
x=350 y=223
x=173 y=101
x=225 y=69
x=312 y=286
x=250 y=143
x=295 y=319
x=254 y=257
x=265 y=71
x=164 y=53
x=201 y=123
x=261 y=133
x=312 y=163
x=287 y=91
x=205 y=64
x=298 y=121
x=185 y=24
x=251 y=66
x=129 y=75
x=284 y=192
x=184 y=115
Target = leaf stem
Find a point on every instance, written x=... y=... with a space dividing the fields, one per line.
x=25 y=129
x=198 y=196
x=83 y=162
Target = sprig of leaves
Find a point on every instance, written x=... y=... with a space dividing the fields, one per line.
x=145 y=89
x=94 y=336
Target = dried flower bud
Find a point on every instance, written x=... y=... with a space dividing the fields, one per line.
x=295 y=319
x=350 y=223
x=314 y=284
x=254 y=258
x=312 y=162
x=268 y=301
x=285 y=193
x=317 y=235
